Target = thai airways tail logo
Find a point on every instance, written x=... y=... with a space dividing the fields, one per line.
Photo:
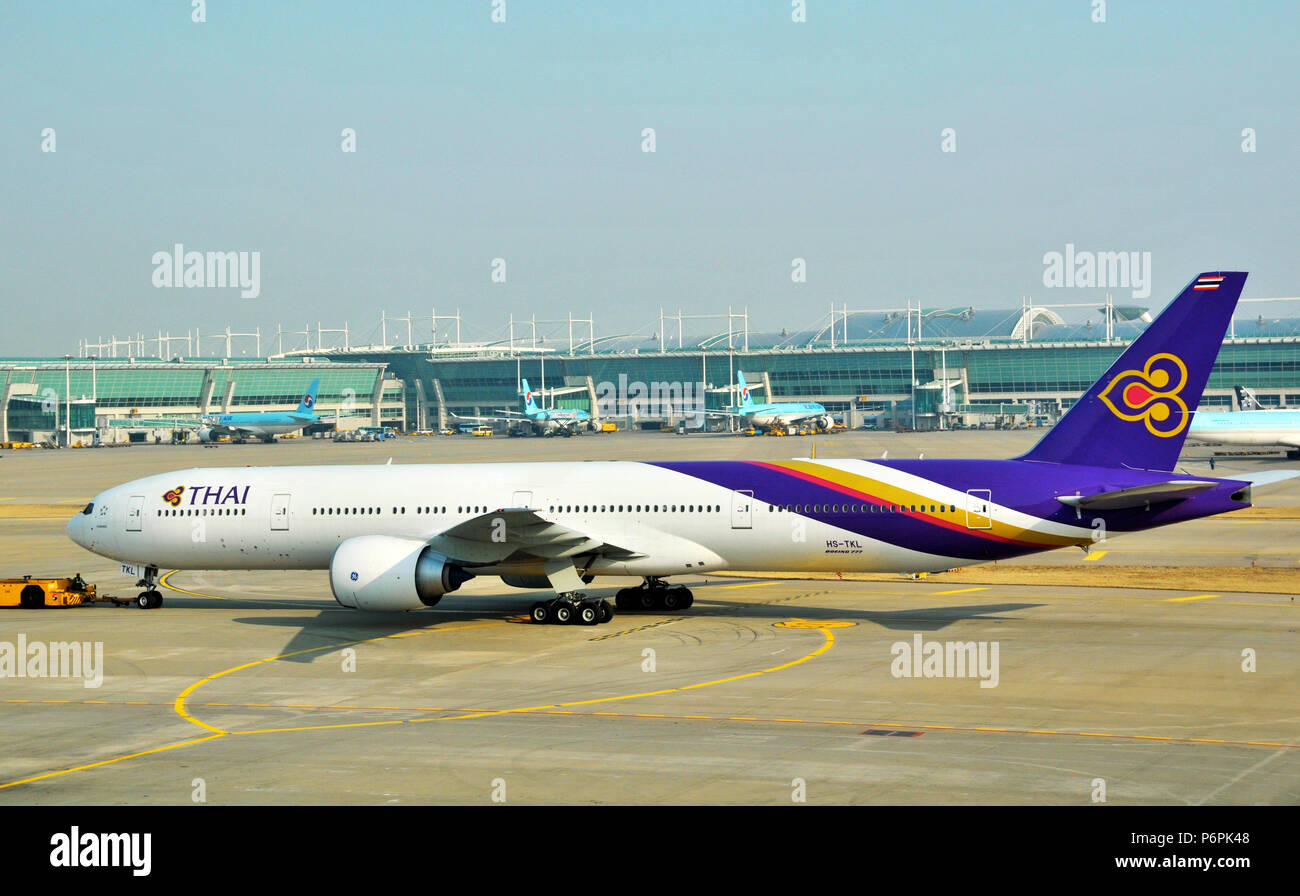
x=1151 y=395
x=173 y=497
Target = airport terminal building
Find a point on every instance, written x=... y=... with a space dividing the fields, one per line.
x=957 y=368
x=82 y=400
x=936 y=369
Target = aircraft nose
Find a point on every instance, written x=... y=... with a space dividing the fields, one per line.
x=79 y=527
x=75 y=528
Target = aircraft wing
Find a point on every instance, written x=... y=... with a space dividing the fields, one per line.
x=519 y=534
x=156 y=423
x=1138 y=496
x=501 y=417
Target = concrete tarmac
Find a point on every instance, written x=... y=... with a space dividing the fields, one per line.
x=256 y=688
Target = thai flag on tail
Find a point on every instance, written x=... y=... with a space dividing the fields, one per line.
x=1208 y=281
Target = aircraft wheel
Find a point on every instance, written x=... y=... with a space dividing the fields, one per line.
x=687 y=598
x=143 y=601
x=155 y=599
x=588 y=614
x=562 y=613
x=672 y=600
x=649 y=599
x=540 y=613
x=606 y=612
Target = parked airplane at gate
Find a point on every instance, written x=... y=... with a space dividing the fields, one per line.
x=542 y=421
x=401 y=537
x=1251 y=426
x=782 y=413
x=265 y=426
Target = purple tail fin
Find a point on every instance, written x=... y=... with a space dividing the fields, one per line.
x=1137 y=414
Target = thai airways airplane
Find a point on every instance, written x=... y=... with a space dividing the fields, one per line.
x=543 y=421
x=264 y=426
x=785 y=413
x=401 y=537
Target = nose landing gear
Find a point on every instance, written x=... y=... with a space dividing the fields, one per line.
x=151 y=597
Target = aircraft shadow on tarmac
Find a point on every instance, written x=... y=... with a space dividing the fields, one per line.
x=335 y=627
x=912 y=619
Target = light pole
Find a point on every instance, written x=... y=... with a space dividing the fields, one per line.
x=67 y=401
x=94 y=397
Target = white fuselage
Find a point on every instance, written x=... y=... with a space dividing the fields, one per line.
x=1252 y=428
x=296 y=517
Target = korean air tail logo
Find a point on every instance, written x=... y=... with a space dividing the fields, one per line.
x=1151 y=395
x=308 y=401
x=744 y=393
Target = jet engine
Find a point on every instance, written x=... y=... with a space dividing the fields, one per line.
x=826 y=423
x=380 y=572
x=205 y=434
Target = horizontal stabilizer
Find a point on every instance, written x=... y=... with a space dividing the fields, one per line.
x=1138 y=496
x=1269 y=477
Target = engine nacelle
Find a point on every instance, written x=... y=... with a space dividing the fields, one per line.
x=827 y=423
x=205 y=434
x=379 y=572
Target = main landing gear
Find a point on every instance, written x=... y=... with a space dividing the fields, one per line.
x=151 y=597
x=572 y=607
x=655 y=594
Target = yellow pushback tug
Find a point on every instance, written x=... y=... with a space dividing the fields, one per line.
x=33 y=593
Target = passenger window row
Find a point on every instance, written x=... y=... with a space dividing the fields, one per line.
x=204 y=511
x=635 y=508
x=861 y=508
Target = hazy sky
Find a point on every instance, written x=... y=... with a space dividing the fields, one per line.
x=775 y=140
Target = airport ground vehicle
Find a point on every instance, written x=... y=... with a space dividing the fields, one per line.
x=30 y=592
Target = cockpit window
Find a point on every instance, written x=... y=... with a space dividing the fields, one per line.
x=89 y=508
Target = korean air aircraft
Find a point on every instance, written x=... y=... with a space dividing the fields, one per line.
x=264 y=426
x=543 y=421
x=402 y=537
x=786 y=413
x=1248 y=428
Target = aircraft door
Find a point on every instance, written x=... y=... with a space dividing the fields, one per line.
x=522 y=499
x=135 y=513
x=280 y=512
x=742 y=509
x=978 y=504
